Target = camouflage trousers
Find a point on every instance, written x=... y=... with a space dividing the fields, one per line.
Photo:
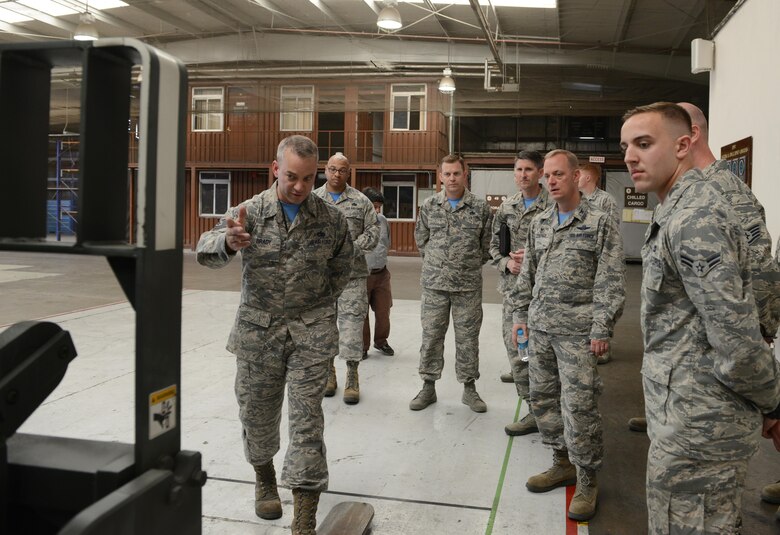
x=693 y=496
x=518 y=367
x=353 y=307
x=260 y=383
x=435 y=309
x=565 y=388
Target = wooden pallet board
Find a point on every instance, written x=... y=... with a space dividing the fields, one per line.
x=347 y=518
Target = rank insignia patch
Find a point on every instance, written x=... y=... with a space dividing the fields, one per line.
x=753 y=233
x=700 y=265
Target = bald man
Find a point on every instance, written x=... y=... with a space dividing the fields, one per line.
x=750 y=215
x=764 y=270
x=708 y=375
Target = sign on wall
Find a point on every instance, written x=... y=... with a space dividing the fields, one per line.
x=633 y=199
x=739 y=156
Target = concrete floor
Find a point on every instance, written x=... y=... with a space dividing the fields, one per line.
x=442 y=470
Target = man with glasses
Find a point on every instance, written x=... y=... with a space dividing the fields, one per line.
x=353 y=303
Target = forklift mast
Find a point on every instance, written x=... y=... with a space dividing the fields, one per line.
x=69 y=486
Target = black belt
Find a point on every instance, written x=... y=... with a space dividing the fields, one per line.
x=378 y=270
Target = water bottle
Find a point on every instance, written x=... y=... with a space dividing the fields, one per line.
x=522 y=345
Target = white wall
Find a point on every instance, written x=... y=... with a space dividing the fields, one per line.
x=744 y=98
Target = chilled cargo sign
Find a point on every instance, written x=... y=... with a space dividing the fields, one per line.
x=634 y=199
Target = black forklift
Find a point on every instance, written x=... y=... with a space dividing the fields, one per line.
x=72 y=486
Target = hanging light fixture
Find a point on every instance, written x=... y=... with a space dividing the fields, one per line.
x=447 y=84
x=389 y=18
x=86 y=30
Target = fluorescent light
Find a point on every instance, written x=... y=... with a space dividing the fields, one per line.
x=550 y=4
x=106 y=4
x=11 y=17
x=55 y=9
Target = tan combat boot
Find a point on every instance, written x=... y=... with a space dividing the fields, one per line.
x=771 y=493
x=332 y=385
x=507 y=377
x=583 y=504
x=638 y=424
x=526 y=425
x=560 y=474
x=472 y=399
x=425 y=397
x=305 y=511
x=352 y=388
x=267 y=502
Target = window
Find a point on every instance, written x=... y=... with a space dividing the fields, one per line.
x=399 y=192
x=207 y=106
x=408 y=107
x=297 y=105
x=214 y=193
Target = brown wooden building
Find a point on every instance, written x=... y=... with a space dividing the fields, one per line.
x=394 y=134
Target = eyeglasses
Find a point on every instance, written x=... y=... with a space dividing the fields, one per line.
x=341 y=171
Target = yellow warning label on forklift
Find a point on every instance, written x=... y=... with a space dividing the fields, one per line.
x=162 y=411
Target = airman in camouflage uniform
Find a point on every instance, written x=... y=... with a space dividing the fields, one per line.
x=453 y=237
x=353 y=303
x=515 y=213
x=296 y=255
x=707 y=373
x=750 y=214
x=568 y=296
x=590 y=177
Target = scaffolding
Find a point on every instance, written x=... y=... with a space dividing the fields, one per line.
x=62 y=188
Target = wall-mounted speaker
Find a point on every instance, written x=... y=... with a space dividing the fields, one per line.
x=702 y=55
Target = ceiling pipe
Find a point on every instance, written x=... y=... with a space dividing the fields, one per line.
x=486 y=31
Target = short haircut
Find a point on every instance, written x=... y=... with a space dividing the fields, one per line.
x=593 y=169
x=454 y=158
x=669 y=110
x=374 y=195
x=532 y=156
x=301 y=146
x=574 y=163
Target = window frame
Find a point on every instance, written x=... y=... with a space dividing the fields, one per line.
x=299 y=111
x=207 y=114
x=401 y=183
x=214 y=181
x=398 y=93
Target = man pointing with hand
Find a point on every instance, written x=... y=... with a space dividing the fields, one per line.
x=296 y=253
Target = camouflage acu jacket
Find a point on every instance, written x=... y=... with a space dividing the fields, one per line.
x=514 y=214
x=604 y=202
x=765 y=272
x=453 y=243
x=573 y=276
x=295 y=273
x=708 y=372
x=363 y=224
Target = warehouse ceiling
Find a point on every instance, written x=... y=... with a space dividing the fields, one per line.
x=579 y=57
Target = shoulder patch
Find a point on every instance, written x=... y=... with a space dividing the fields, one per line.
x=753 y=233
x=700 y=265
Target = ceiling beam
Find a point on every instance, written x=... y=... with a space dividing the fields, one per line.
x=436 y=15
x=18 y=30
x=217 y=14
x=328 y=12
x=276 y=10
x=624 y=23
x=486 y=31
x=40 y=16
x=150 y=9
